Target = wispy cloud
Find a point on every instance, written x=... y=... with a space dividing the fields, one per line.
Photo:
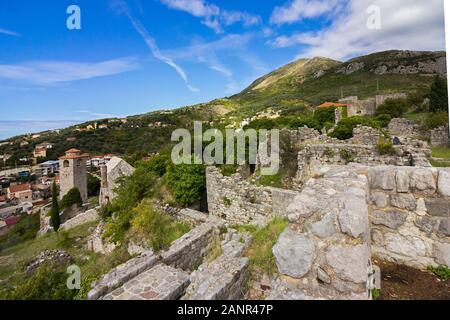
x=99 y=115
x=122 y=8
x=405 y=24
x=10 y=33
x=52 y=72
x=212 y=16
x=296 y=10
x=210 y=54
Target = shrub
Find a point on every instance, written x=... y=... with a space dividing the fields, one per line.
x=346 y=155
x=71 y=198
x=158 y=228
x=47 y=283
x=106 y=211
x=344 y=129
x=226 y=201
x=393 y=107
x=438 y=95
x=157 y=164
x=228 y=169
x=325 y=115
x=187 y=182
x=383 y=120
x=436 y=120
x=442 y=272
x=385 y=147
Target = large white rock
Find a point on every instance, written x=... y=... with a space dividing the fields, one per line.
x=391 y=219
x=353 y=212
x=294 y=253
x=404 y=201
x=442 y=253
x=410 y=247
x=349 y=263
x=326 y=227
x=402 y=179
x=423 y=180
x=444 y=183
x=382 y=178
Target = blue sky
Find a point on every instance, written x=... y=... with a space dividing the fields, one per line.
x=135 y=56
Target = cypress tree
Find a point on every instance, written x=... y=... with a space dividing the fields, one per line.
x=54 y=212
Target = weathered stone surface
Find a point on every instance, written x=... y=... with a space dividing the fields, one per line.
x=444 y=227
x=444 y=183
x=223 y=279
x=438 y=207
x=411 y=247
x=349 y=263
x=323 y=276
x=403 y=201
x=425 y=224
x=423 y=180
x=294 y=253
x=377 y=237
x=390 y=219
x=380 y=199
x=303 y=206
x=326 y=227
x=353 y=212
x=402 y=180
x=162 y=282
x=421 y=208
x=442 y=253
x=382 y=178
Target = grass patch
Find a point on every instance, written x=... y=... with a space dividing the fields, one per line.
x=441 y=152
x=275 y=180
x=376 y=294
x=442 y=272
x=439 y=164
x=260 y=251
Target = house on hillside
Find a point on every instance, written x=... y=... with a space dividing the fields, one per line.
x=20 y=192
x=48 y=167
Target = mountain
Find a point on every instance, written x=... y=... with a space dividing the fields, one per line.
x=318 y=79
x=296 y=86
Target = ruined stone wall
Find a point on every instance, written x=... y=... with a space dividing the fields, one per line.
x=240 y=202
x=401 y=127
x=440 y=137
x=82 y=218
x=325 y=251
x=380 y=99
x=410 y=215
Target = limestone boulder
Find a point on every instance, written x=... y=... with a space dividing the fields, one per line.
x=382 y=178
x=380 y=199
x=326 y=227
x=391 y=219
x=349 y=262
x=444 y=183
x=404 y=201
x=294 y=253
x=444 y=227
x=412 y=247
x=423 y=180
x=442 y=253
x=402 y=181
x=353 y=212
x=438 y=207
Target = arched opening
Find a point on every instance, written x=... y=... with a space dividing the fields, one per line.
x=66 y=164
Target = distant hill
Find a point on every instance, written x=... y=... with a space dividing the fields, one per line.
x=318 y=79
x=302 y=83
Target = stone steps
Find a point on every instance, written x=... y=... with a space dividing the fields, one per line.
x=162 y=282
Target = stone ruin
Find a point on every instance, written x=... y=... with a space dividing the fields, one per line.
x=349 y=204
x=440 y=137
x=356 y=107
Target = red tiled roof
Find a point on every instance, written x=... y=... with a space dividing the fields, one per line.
x=73 y=151
x=19 y=188
x=331 y=104
x=12 y=220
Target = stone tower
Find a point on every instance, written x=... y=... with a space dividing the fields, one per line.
x=73 y=173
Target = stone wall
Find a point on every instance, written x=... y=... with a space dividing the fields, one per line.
x=325 y=251
x=240 y=202
x=401 y=127
x=410 y=215
x=440 y=137
x=85 y=217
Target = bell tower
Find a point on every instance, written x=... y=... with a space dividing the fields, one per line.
x=73 y=173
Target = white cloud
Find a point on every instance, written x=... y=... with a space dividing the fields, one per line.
x=296 y=10
x=9 y=32
x=405 y=25
x=99 y=115
x=123 y=8
x=213 y=16
x=52 y=72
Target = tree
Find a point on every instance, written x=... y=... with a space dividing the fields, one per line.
x=438 y=95
x=93 y=185
x=187 y=182
x=393 y=107
x=72 y=197
x=325 y=115
x=54 y=212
